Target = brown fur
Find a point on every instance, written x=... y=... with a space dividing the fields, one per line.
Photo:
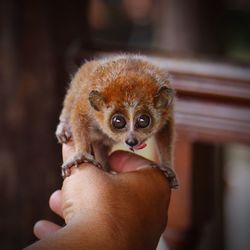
x=129 y=85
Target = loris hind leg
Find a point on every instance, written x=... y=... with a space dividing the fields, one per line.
x=76 y=160
x=164 y=140
x=82 y=143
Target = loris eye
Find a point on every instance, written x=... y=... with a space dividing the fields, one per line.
x=142 y=121
x=118 y=122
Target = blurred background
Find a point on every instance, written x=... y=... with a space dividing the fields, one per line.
x=206 y=47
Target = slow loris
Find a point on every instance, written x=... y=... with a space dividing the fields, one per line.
x=123 y=98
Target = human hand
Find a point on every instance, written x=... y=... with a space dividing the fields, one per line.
x=123 y=211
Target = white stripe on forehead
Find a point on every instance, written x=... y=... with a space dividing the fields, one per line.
x=131 y=105
x=131 y=113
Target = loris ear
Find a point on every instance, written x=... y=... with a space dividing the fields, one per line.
x=164 y=97
x=96 y=100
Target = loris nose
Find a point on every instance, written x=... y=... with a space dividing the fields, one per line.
x=131 y=142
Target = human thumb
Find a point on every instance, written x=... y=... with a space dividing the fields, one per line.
x=123 y=161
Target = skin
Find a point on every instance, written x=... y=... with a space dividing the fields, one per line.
x=127 y=210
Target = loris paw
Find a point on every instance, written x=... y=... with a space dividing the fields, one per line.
x=63 y=132
x=170 y=175
x=77 y=160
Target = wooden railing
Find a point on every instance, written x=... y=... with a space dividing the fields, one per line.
x=213 y=108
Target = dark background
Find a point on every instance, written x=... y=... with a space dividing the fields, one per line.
x=41 y=45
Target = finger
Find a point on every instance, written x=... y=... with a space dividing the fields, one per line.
x=67 y=150
x=122 y=161
x=43 y=228
x=55 y=203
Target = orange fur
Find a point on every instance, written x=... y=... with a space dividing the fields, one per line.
x=127 y=85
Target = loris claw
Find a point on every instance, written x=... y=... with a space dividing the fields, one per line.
x=77 y=160
x=118 y=99
x=169 y=173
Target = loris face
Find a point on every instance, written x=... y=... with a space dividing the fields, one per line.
x=131 y=126
x=132 y=120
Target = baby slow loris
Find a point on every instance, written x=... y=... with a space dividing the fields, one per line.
x=123 y=98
